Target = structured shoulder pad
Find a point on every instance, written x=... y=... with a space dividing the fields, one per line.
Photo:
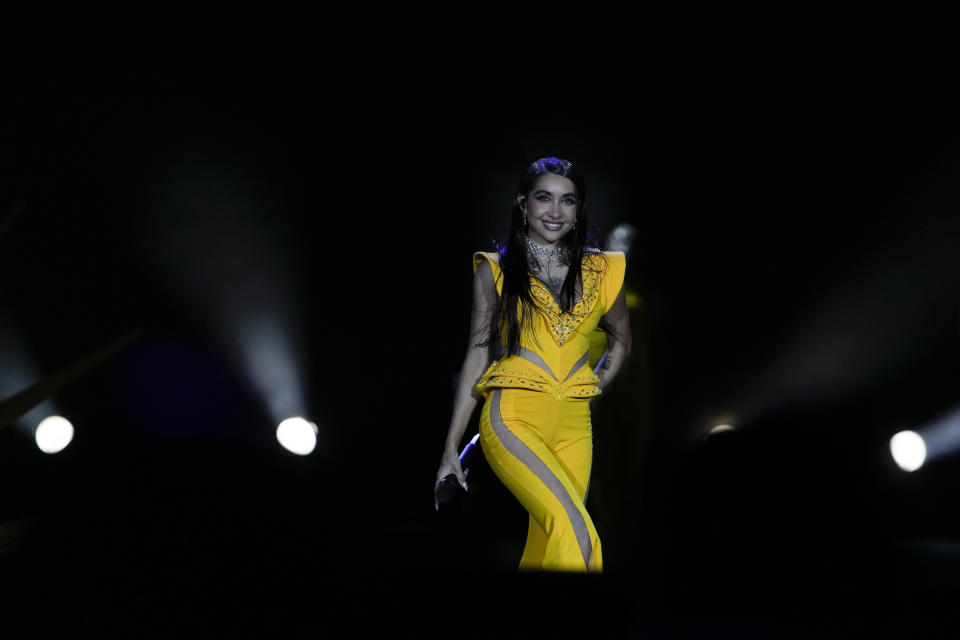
x=494 y=259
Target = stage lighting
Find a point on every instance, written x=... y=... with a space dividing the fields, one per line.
x=297 y=435
x=720 y=428
x=53 y=434
x=908 y=450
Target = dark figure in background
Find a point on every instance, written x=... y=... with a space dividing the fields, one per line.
x=625 y=419
x=536 y=305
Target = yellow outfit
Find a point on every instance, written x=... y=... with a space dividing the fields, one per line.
x=535 y=428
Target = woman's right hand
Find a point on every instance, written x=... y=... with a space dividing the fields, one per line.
x=450 y=463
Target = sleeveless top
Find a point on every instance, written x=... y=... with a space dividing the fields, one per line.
x=555 y=358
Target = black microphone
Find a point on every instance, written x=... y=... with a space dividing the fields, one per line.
x=447 y=488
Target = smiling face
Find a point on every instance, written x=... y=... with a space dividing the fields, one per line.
x=551 y=208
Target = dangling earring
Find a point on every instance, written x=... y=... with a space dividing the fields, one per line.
x=574 y=226
x=524 y=221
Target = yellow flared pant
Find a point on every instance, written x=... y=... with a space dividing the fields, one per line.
x=541 y=448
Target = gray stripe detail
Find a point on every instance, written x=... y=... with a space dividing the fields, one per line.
x=578 y=364
x=526 y=354
x=517 y=447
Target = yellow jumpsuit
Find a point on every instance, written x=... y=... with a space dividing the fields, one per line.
x=535 y=429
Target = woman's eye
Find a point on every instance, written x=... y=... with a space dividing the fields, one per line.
x=543 y=198
x=570 y=201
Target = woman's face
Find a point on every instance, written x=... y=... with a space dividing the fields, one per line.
x=551 y=208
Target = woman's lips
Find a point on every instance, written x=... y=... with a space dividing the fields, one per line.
x=553 y=226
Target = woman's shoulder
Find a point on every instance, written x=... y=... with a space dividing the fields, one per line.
x=491 y=257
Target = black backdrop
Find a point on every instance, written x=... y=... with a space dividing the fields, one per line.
x=790 y=171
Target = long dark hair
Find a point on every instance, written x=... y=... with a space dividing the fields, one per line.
x=514 y=261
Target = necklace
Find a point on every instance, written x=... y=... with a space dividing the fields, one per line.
x=557 y=252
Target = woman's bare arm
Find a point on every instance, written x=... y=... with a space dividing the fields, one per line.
x=475 y=362
x=616 y=324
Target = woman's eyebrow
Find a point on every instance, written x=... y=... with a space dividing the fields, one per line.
x=550 y=193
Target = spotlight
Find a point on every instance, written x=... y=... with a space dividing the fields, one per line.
x=908 y=450
x=53 y=434
x=297 y=435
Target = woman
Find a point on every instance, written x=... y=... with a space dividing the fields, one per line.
x=536 y=314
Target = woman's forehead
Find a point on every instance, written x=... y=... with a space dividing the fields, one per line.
x=555 y=183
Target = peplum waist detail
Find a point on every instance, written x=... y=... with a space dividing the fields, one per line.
x=528 y=371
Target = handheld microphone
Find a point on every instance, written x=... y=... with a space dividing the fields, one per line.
x=447 y=488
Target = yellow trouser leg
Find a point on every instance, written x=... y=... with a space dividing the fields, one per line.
x=540 y=448
x=535 y=548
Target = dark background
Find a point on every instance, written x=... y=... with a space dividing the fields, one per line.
x=790 y=170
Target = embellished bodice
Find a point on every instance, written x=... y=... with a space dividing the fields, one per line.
x=553 y=358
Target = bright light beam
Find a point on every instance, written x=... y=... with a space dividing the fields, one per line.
x=942 y=435
x=247 y=288
x=270 y=361
x=17 y=374
x=835 y=352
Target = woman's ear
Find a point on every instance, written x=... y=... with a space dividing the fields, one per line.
x=521 y=202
